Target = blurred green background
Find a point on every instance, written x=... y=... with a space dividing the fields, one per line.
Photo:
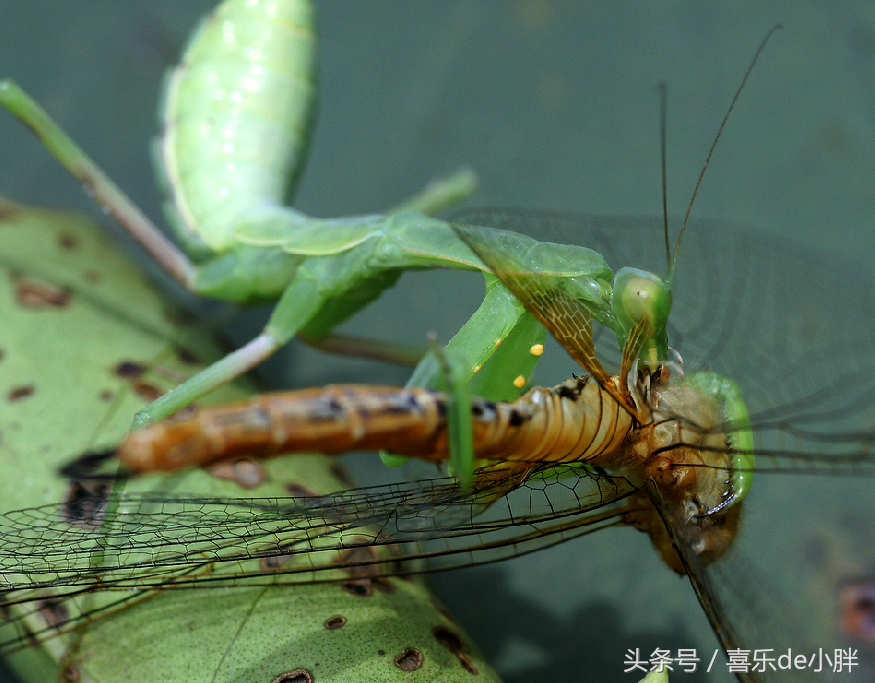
x=555 y=105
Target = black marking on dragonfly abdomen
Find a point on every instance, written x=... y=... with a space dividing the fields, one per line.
x=571 y=388
x=481 y=409
x=516 y=418
x=406 y=403
x=326 y=409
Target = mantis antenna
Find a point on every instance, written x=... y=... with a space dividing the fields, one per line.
x=673 y=259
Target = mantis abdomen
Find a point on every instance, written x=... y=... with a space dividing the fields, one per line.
x=574 y=421
x=234 y=118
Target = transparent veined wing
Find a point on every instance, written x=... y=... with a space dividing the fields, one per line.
x=154 y=541
x=752 y=629
x=769 y=315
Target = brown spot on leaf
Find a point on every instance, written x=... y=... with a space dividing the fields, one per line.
x=187 y=356
x=449 y=640
x=358 y=588
x=105 y=395
x=85 y=503
x=147 y=391
x=67 y=241
x=247 y=472
x=409 y=660
x=298 y=491
x=36 y=294
x=20 y=392
x=364 y=566
x=467 y=664
x=452 y=642
x=342 y=475
x=335 y=623
x=91 y=276
x=296 y=676
x=128 y=369
x=2 y=354
x=53 y=611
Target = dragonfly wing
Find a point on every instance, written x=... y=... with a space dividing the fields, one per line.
x=147 y=540
x=151 y=543
x=745 y=609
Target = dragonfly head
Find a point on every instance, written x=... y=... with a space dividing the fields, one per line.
x=687 y=452
x=690 y=464
x=639 y=295
x=705 y=538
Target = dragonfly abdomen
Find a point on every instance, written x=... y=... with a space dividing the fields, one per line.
x=573 y=421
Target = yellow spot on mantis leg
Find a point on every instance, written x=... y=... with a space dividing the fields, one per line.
x=498 y=342
x=476 y=369
x=537 y=350
x=519 y=382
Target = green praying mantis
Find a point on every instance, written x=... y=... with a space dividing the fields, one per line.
x=233 y=131
x=233 y=128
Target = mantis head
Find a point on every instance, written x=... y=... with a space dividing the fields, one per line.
x=642 y=299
